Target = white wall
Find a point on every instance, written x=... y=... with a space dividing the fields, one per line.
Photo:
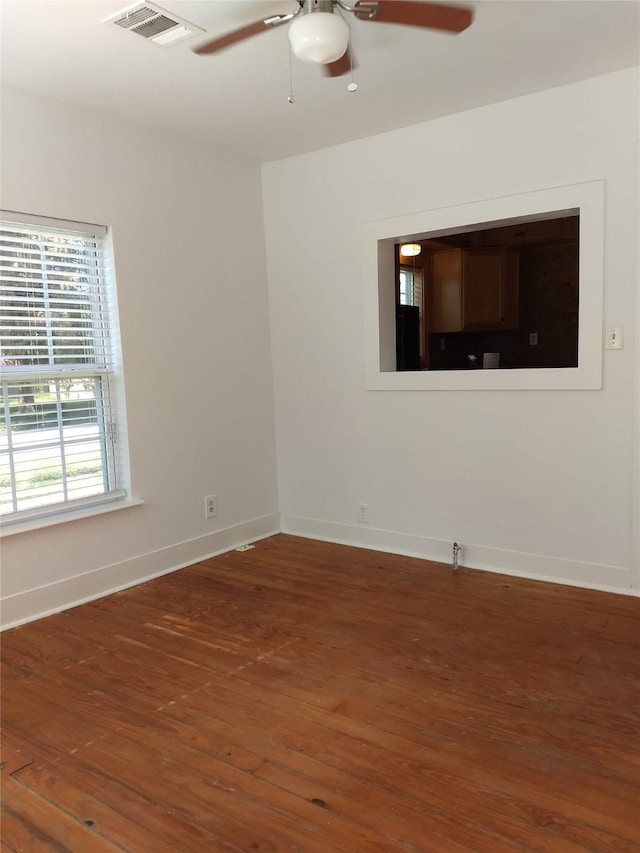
x=536 y=482
x=531 y=482
x=195 y=337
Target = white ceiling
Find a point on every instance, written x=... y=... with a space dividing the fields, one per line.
x=239 y=98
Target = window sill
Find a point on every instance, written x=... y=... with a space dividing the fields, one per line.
x=11 y=529
x=516 y=379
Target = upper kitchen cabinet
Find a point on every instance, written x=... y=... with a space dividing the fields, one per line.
x=538 y=232
x=473 y=290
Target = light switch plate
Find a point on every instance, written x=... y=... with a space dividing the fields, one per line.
x=614 y=337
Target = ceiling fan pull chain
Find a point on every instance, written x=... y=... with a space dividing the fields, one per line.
x=352 y=86
x=292 y=97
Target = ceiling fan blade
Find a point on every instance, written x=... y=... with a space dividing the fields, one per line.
x=242 y=33
x=340 y=66
x=433 y=16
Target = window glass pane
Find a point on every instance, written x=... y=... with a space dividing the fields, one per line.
x=49 y=293
x=407 y=286
x=53 y=446
x=58 y=436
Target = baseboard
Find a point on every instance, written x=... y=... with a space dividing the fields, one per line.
x=52 y=598
x=540 y=567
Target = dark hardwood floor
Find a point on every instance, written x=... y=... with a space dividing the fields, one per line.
x=313 y=697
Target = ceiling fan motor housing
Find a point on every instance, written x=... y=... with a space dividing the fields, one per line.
x=309 y=6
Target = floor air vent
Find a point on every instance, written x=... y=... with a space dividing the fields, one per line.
x=154 y=24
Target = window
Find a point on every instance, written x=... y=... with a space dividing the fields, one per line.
x=410 y=287
x=59 y=421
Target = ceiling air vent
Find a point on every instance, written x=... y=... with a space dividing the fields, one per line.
x=153 y=23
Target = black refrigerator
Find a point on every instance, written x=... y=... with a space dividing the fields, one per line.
x=407 y=337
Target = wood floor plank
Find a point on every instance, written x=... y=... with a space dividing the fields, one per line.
x=294 y=820
x=92 y=804
x=13 y=755
x=31 y=823
x=427 y=775
x=306 y=696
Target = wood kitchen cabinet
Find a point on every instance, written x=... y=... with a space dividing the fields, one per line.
x=561 y=230
x=473 y=290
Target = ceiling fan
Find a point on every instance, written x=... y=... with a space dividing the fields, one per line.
x=319 y=32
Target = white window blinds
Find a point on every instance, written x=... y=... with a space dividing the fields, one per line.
x=410 y=287
x=58 y=414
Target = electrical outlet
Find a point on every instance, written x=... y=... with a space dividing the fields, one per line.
x=533 y=339
x=363 y=513
x=210 y=506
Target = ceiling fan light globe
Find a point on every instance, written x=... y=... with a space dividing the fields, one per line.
x=320 y=37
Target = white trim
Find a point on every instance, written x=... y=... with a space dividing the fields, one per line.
x=635 y=495
x=60 y=595
x=50 y=222
x=45 y=600
x=52 y=518
x=379 y=296
x=539 y=567
x=95 y=305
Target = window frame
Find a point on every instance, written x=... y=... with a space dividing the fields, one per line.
x=381 y=236
x=105 y=370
